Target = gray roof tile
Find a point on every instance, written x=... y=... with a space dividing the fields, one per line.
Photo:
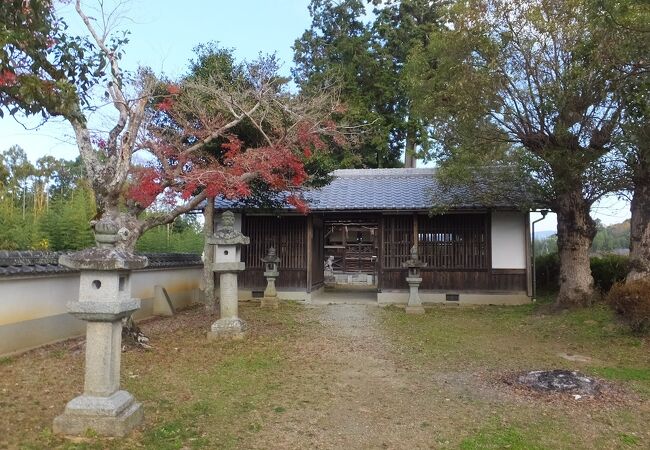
x=390 y=189
x=375 y=189
x=26 y=263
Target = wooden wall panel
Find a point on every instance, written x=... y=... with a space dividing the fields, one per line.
x=460 y=280
x=453 y=241
x=317 y=266
x=288 y=236
x=397 y=240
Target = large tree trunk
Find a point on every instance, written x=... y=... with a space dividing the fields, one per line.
x=409 y=150
x=640 y=224
x=575 y=233
x=208 y=257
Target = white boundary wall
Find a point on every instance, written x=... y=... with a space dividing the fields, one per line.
x=33 y=308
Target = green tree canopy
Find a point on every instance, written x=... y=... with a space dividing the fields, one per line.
x=537 y=83
x=365 y=54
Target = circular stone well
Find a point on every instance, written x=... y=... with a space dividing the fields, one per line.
x=559 y=381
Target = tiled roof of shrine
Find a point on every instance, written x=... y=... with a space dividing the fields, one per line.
x=399 y=189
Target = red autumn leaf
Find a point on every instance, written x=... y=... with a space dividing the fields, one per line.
x=166 y=104
x=8 y=78
x=145 y=187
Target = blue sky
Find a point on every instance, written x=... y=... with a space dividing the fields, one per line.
x=163 y=34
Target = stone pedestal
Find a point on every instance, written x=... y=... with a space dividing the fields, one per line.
x=270 y=299
x=271 y=261
x=414 y=305
x=115 y=415
x=104 y=300
x=413 y=278
x=229 y=325
x=227 y=263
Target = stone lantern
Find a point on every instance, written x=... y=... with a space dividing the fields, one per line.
x=414 y=279
x=104 y=300
x=270 y=261
x=227 y=262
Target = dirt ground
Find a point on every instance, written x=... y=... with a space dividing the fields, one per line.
x=367 y=399
x=327 y=377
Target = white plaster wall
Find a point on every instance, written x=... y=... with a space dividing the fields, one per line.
x=508 y=240
x=35 y=297
x=33 y=309
x=175 y=281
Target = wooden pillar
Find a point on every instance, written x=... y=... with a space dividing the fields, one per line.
x=380 y=253
x=310 y=250
x=415 y=230
x=527 y=245
x=488 y=242
x=345 y=247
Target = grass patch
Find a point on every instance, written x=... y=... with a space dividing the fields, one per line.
x=629 y=440
x=467 y=344
x=4 y=360
x=623 y=373
x=518 y=337
x=498 y=438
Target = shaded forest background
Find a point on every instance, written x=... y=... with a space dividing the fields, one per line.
x=48 y=206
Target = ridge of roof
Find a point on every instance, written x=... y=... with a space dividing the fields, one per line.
x=346 y=173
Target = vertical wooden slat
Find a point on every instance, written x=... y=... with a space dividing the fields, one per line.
x=380 y=253
x=453 y=241
x=309 y=251
x=415 y=230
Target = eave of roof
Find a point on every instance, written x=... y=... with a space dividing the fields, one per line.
x=385 y=190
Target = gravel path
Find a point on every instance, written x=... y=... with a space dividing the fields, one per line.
x=351 y=391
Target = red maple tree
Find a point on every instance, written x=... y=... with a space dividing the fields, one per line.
x=190 y=130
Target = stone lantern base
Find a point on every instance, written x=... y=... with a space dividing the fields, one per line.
x=415 y=304
x=269 y=302
x=270 y=299
x=228 y=328
x=414 y=309
x=116 y=415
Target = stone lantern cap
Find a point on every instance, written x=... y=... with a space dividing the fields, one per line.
x=105 y=256
x=103 y=259
x=271 y=256
x=227 y=235
x=414 y=261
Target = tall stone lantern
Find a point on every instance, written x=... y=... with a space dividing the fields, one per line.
x=414 y=279
x=227 y=263
x=271 y=261
x=104 y=300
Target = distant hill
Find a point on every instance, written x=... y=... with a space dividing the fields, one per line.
x=544 y=234
x=613 y=238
